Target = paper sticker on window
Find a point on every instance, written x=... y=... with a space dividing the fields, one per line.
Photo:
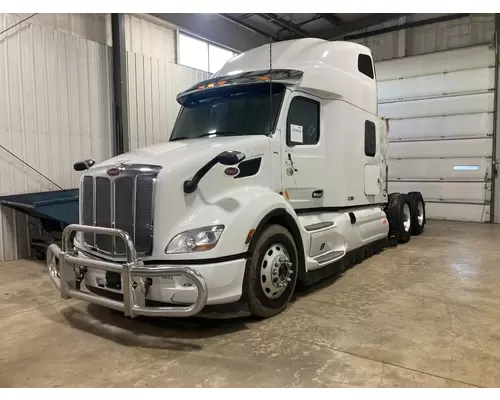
x=296 y=134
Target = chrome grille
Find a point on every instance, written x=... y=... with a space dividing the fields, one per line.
x=103 y=212
x=88 y=207
x=124 y=202
x=124 y=208
x=144 y=211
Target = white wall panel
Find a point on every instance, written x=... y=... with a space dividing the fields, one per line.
x=149 y=37
x=458 y=212
x=441 y=127
x=443 y=148
x=55 y=109
x=439 y=168
x=440 y=108
x=474 y=80
x=153 y=88
x=476 y=192
x=90 y=26
x=474 y=103
x=436 y=63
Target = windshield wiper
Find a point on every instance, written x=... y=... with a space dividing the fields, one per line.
x=218 y=133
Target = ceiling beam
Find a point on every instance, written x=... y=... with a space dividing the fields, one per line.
x=248 y=26
x=332 y=19
x=284 y=24
x=343 y=29
x=407 y=25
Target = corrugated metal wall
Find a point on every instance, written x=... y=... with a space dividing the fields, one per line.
x=55 y=109
x=150 y=38
x=153 y=87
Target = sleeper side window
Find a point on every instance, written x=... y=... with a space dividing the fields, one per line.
x=303 y=122
x=365 y=65
x=370 y=139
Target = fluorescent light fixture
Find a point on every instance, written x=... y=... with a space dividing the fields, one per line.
x=466 y=168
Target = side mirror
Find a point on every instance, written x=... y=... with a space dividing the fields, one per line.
x=230 y=157
x=83 y=165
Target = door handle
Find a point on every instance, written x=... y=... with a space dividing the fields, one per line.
x=317 y=194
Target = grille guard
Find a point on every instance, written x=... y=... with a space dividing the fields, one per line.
x=68 y=274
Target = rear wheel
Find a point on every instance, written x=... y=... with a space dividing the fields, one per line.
x=399 y=215
x=418 y=211
x=271 y=272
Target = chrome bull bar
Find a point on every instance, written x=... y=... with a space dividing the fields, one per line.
x=69 y=272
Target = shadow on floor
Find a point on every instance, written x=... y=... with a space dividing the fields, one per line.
x=177 y=334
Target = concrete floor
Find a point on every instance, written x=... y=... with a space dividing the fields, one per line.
x=423 y=314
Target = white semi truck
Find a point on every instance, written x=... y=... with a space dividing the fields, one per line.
x=275 y=174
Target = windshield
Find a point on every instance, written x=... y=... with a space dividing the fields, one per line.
x=229 y=111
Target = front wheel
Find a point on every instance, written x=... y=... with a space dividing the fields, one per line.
x=271 y=272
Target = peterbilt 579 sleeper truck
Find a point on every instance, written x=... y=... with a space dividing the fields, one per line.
x=275 y=174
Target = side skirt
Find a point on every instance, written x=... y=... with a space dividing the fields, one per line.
x=351 y=258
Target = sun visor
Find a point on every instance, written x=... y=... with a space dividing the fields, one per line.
x=285 y=76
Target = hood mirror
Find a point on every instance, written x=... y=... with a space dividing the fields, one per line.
x=83 y=165
x=230 y=157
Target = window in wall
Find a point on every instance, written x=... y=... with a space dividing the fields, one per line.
x=200 y=54
x=465 y=167
x=217 y=57
x=370 y=139
x=193 y=52
x=365 y=65
x=303 y=122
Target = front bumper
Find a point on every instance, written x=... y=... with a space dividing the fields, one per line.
x=67 y=270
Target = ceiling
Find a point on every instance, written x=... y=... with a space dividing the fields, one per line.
x=326 y=26
x=242 y=32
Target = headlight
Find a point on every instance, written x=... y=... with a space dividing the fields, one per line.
x=201 y=239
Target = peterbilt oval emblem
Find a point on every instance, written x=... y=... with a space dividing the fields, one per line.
x=113 y=172
x=231 y=171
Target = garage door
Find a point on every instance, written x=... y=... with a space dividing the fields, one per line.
x=440 y=111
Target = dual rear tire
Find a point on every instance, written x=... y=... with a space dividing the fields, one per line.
x=406 y=215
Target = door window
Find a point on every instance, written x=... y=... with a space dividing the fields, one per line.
x=303 y=122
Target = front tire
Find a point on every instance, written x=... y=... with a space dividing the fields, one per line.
x=271 y=272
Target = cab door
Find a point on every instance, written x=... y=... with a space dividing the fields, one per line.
x=302 y=154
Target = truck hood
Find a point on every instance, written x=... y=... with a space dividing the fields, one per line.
x=195 y=151
x=214 y=199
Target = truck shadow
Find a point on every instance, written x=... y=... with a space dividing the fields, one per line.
x=176 y=334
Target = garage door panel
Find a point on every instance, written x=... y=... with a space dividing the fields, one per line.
x=453 y=60
x=451 y=126
x=464 y=169
x=445 y=148
x=437 y=85
x=457 y=212
x=475 y=103
x=446 y=191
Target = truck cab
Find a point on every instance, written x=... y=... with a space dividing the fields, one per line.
x=275 y=172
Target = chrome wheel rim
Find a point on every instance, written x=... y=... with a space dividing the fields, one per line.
x=420 y=213
x=406 y=217
x=275 y=271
